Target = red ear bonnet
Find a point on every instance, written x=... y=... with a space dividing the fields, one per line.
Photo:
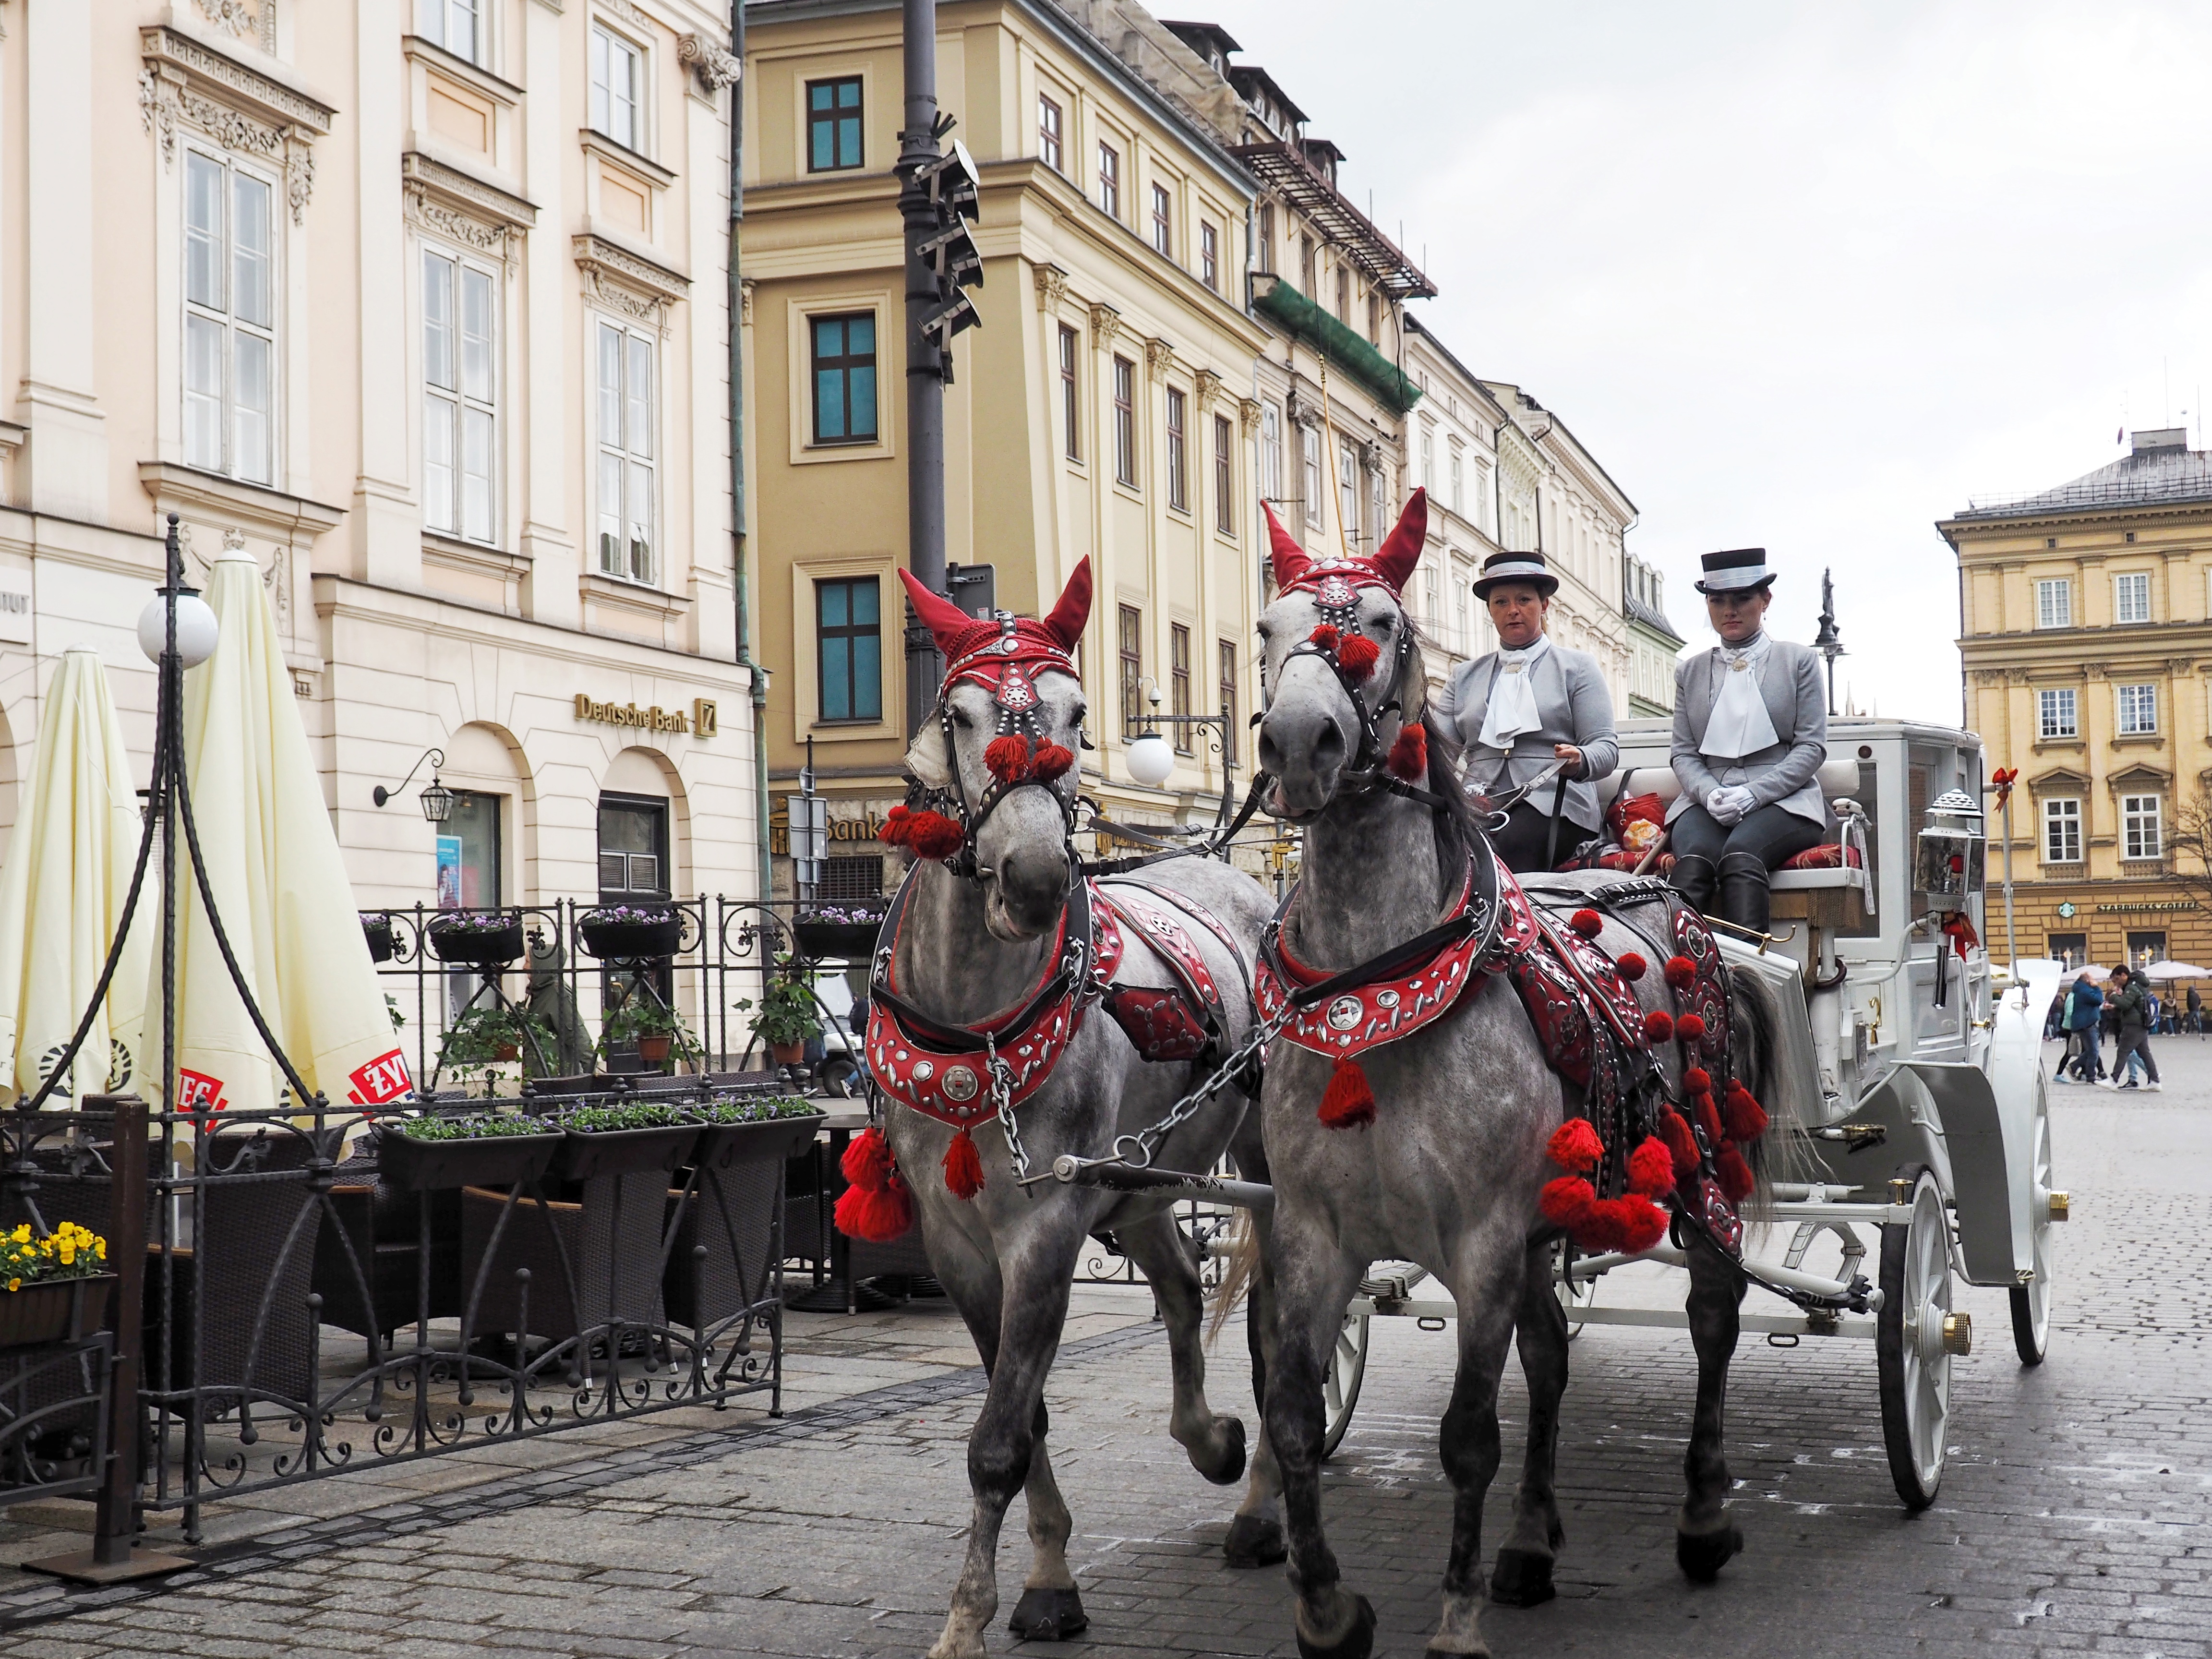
x=1290 y=559
x=947 y=620
x=983 y=648
x=1073 y=610
x=1401 y=550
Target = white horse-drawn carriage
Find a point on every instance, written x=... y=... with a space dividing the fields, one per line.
x=1915 y=1071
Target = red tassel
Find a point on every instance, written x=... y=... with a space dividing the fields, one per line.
x=933 y=835
x=1326 y=636
x=1052 y=761
x=1691 y=1028
x=1708 y=1119
x=898 y=826
x=1651 y=1168
x=1007 y=757
x=867 y=1162
x=1659 y=1025
x=1567 y=1201
x=1681 y=972
x=1675 y=1128
x=876 y=1218
x=1348 y=1102
x=1632 y=1223
x=1575 y=1146
x=1588 y=923
x=1734 y=1174
x=1357 y=655
x=964 y=1167
x=1746 y=1118
x=1697 y=1081
x=1409 y=756
x=1631 y=967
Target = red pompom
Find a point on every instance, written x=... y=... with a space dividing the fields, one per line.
x=1567 y=1201
x=1007 y=757
x=1746 y=1118
x=1348 y=1102
x=1357 y=655
x=1598 y=1230
x=1681 y=972
x=1659 y=1025
x=1588 y=923
x=1326 y=636
x=1052 y=761
x=1708 y=1119
x=868 y=1161
x=1682 y=1144
x=898 y=826
x=1691 y=1028
x=1697 y=1081
x=1575 y=1146
x=1651 y=1168
x=933 y=835
x=1632 y=1223
x=1734 y=1174
x=876 y=1218
x=1409 y=756
x=1630 y=966
x=964 y=1167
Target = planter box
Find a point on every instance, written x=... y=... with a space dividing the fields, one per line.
x=725 y=1146
x=732 y=1216
x=477 y=947
x=377 y=930
x=419 y=1166
x=632 y=941
x=59 y=1311
x=620 y=1151
x=852 y=941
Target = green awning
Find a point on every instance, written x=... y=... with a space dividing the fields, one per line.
x=1283 y=304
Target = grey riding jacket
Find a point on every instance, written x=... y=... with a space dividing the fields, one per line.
x=1572 y=705
x=1784 y=773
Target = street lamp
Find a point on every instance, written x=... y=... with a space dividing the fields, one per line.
x=437 y=800
x=1151 y=761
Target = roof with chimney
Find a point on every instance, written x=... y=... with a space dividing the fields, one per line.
x=2161 y=470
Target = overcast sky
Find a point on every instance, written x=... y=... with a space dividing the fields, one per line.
x=1804 y=276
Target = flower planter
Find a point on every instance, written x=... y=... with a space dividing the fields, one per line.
x=632 y=941
x=851 y=941
x=654 y=1050
x=478 y=947
x=725 y=1146
x=507 y=1051
x=788 y=1053
x=585 y=1154
x=415 y=1166
x=732 y=1217
x=57 y=1310
x=377 y=930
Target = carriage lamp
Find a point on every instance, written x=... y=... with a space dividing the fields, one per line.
x=1947 y=865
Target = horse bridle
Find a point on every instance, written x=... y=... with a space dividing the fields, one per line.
x=1338 y=601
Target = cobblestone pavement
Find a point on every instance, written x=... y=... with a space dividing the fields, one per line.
x=2072 y=1517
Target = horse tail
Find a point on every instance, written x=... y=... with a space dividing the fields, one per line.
x=1241 y=1263
x=1757 y=1022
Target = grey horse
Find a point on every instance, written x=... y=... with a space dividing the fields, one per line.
x=969 y=949
x=1449 y=1173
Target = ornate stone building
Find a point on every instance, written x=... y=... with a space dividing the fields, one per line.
x=1653 y=645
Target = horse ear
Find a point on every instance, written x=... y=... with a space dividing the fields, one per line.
x=1068 y=616
x=1401 y=550
x=1289 y=559
x=928 y=757
x=947 y=622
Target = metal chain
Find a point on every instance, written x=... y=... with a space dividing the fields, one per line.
x=1002 y=1096
x=1136 y=1150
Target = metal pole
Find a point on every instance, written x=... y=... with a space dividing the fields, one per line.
x=2012 y=947
x=740 y=530
x=925 y=378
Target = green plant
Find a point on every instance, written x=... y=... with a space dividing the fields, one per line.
x=392 y=1007
x=69 y=1252
x=644 y=1015
x=488 y=1127
x=730 y=1110
x=785 y=1010
x=641 y=1114
x=475 y=1039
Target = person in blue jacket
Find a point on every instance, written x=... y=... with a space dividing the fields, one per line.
x=2085 y=1007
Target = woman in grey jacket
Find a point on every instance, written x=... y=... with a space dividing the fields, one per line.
x=1751 y=732
x=1525 y=705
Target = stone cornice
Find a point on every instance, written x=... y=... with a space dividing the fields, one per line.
x=235 y=81
x=628 y=282
x=450 y=203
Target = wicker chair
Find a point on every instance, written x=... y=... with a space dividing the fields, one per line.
x=384 y=1226
x=611 y=1238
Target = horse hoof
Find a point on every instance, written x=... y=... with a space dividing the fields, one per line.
x=1523 y=1579
x=1702 y=1555
x=1255 y=1542
x=1358 y=1644
x=1047 y=1615
x=1229 y=1468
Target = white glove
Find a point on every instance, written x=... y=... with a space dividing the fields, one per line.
x=1730 y=803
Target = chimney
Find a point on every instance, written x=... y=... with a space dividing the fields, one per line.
x=2167 y=439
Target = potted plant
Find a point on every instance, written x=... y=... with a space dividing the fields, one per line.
x=654 y=1027
x=784 y=1017
x=56 y=1286
x=630 y=933
x=376 y=928
x=742 y=1130
x=421 y=1154
x=478 y=939
x=833 y=931
x=617 y=1139
x=492 y=1035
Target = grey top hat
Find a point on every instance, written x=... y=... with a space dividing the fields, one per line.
x=1738 y=569
x=1529 y=568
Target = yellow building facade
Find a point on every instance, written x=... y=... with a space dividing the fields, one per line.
x=2086 y=644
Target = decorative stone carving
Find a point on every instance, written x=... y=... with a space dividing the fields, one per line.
x=454 y=226
x=624 y=282
x=1051 y=286
x=1248 y=410
x=271 y=100
x=300 y=182
x=1989 y=676
x=745 y=301
x=182 y=82
x=239 y=17
x=1159 y=357
x=1205 y=385
x=712 y=68
x=628 y=13
x=1105 y=325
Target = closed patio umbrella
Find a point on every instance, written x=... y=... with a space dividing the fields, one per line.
x=279 y=885
x=2172 y=970
x=62 y=891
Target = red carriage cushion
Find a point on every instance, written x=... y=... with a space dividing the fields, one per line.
x=1832 y=856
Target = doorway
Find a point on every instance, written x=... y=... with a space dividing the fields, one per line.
x=469 y=873
x=634 y=870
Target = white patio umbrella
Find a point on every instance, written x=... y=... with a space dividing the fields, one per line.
x=62 y=892
x=279 y=885
x=2172 y=970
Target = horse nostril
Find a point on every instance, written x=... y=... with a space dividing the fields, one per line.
x=1328 y=748
x=1271 y=757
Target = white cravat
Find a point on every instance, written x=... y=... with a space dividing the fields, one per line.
x=1740 y=725
x=1512 y=708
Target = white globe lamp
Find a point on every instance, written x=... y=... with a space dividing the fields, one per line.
x=1150 y=760
x=197 y=632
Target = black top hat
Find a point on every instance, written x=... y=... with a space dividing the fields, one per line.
x=1528 y=567
x=1735 y=570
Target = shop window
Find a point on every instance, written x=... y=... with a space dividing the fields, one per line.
x=617 y=85
x=833 y=124
x=2071 y=948
x=459 y=382
x=468 y=877
x=633 y=849
x=626 y=453
x=844 y=351
x=2144 y=948
x=848 y=633
x=848 y=880
x=230 y=319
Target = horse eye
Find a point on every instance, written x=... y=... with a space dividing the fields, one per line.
x=960 y=718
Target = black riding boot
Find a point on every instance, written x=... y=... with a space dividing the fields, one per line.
x=1693 y=878
x=1746 y=898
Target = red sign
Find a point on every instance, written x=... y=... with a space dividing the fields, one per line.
x=384 y=1078
x=199 y=1092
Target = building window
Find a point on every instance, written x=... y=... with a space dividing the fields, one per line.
x=2138 y=710
x=1179 y=682
x=459 y=372
x=2131 y=597
x=1049 y=149
x=2054 y=602
x=1129 y=636
x=1309 y=443
x=1347 y=488
x=1124 y=421
x=2057 y=715
x=1162 y=221
x=1109 y=180
x=1458 y=482
x=1428 y=458
x=844 y=378
x=230 y=320
x=456 y=25
x=2061 y=831
x=833 y=124
x=1178 y=471
x=1071 y=406
x=1228 y=655
x=626 y=453
x=1374 y=317
x=1344 y=296
x=616 y=83
x=1306 y=267
x=1271 y=451
x=1266 y=251
x=1433 y=610
x=849 y=648
x=2141 y=836
x=1209 y=256
x=1224 y=505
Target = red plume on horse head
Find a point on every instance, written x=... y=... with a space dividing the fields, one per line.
x=957 y=633
x=1392 y=564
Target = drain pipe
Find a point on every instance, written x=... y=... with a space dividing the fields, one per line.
x=742 y=582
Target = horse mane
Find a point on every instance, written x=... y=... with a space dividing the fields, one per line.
x=1774 y=1155
x=1458 y=828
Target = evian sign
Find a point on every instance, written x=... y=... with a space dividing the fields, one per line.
x=384 y=1079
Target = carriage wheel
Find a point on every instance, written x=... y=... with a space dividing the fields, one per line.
x=1339 y=1385
x=1915 y=1334
x=2031 y=1303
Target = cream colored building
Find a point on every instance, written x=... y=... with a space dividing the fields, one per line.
x=1654 y=646
x=421 y=302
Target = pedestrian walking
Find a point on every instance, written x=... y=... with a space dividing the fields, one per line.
x=2132 y=1005
x=2195 y=1012
x=2085 y=1005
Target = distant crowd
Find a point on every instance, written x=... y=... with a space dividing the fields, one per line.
x=2128 y=1009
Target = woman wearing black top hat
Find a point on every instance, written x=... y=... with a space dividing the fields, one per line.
x=1751 y=732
